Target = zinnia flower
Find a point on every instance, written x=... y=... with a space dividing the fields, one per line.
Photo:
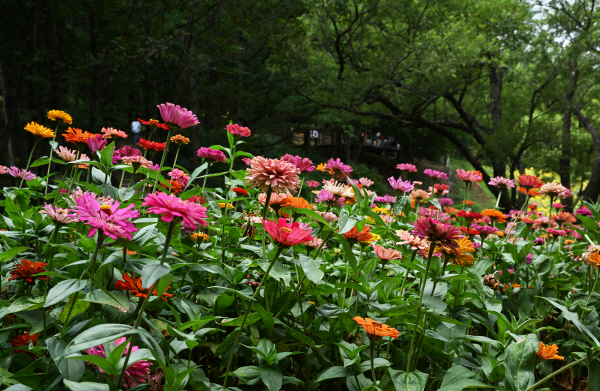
x=56 y=115
x=76 y=136
x=180 y=140
x=443 y=235
x=469 y=216
x=20 y=173
x=170 y=207
x=400 y=186
x=415 y=242
x=212 y=155
x=297 y=202
x=96 y=142
x=110 y=132
x=4 y=170
x=446 y=201
x=134 y=285
x=435 y=174
x=376 y=330
x=460 y=255
x=152 y=145
x=57 y=214
x=328 y=216
x=237 y=130
x=386 y=254
x=584 y=211
x=138 y=372
x=24 y=340
x=321 y=167
x=137 y=162
x=199 y=235
x=366 y=182
x=113 y=222
x=386 y=199
x=26 y=270
x=285 y=234
x=558 y=232
x=177 y=117
x=363 y=237
x=496 y=214
x=154 y=124
x=502 y=182
x=312 y=184
x=326 y=197
x=419 y=195
x=337 y=169
x=529 y=181
x=302 y=164
x=469 y=176
x=179 y=176
x=39 y=131
x=549 y=352
x=484 y=230
x=174 y=186
x=240 y=191
x=275 y=174
x=125 y=151
x=553 y=190
x=564 y=217
x=407 y=167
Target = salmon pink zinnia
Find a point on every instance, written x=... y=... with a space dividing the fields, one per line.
x=285 y=234
x=170 y=207
x=469 y=176
x=529 y=181
x=386 y=254
x=407 y=167
x=237 y=130
x=275 y=174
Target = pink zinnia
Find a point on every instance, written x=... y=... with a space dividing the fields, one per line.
x=558 y=232
x=20 y=173
x=3 y=170
x=337 y=168
x=554 y=189
x=400 y=186
x=484 y=230
x=110 y=132
x=303 y=164
x=435 y=174
x=583 y=211
x=407 y=167
x=386 y=199
x=275 y=174
x=177 y=117
x=366 y=182
x=136 y=373
x=386 y=254
x=212 y=155
x=328 y=198
x=502 y=182
x=328 y=216
x=469 y=176
x=113 y=222
x=237 y=130
x=57 y=214
x=118 y=154
x=170 y=207
x=443 y=235
x=446 y=201
x=285 y=234
x=137 y=161
x=312 y=184
x=96 y=143
x=179 y=176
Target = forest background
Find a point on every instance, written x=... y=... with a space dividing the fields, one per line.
x=498 y=85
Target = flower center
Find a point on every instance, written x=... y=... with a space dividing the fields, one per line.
x=106 y=207
x=285 y=229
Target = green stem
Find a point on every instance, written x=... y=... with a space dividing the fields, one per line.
x=550 y=376
x=237 y=339
x=458 y=289
x=29 y=161
x=162 y=160
x=420 y=310
x=50 y=160
x=169 y=237
x=206 y=176
x=175 y=163
x=372 y=348
x=414 y=254
x=93 y=260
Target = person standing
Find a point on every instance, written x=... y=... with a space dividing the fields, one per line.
x=315 y=135
x=136 y=128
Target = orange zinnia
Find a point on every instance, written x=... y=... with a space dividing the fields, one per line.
x=532 y=192
x=365 y=236
x=297 y=202
x=134 y=285
x=175 y=186
x=376 y=330
x=594 y=259
x=76 y=135
x=549 y=352
x=180 y=140
x=492 y=213
x=39 y=130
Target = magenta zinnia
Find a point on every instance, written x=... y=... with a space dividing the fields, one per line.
x=136 y=373
x=435 y=174
x=96 y=142
x=212 y=155
x=286 y=234
x=337 y=168
x=443 y=235
x=302 y=164
x=400 y=186
x=177 y=117
x=113 y=222
x=170 y=207
x=275 y=174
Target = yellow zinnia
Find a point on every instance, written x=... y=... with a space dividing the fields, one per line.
x=321 y=167
x=461 y=255
x=380 y=210
x=39 y=130
x=199 y=235
x=222 y=205
x=56 y=115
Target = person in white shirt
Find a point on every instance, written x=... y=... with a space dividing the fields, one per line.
x=136 y=128
x=315 y=135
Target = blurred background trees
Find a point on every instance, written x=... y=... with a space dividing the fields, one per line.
x=498 y=86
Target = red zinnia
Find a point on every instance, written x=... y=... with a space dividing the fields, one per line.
x=443 y=235
x=240 y=191
x=286 y=234
x=530 y=181
x=151 y=145
x=154 y=123
x=134 y=285
x=469 y=215
x=22 y=340
x=26 y=270
x=176 y=187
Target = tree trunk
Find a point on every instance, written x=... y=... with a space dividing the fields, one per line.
x=94 y=77
x=496 y=79
x=10 y=115
x=565 y=158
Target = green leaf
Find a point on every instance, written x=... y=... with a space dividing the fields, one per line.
x=312 y=268
x=542 y=264
x=101 y=362
x=271 y=376
x=22 y=304
x=106 y=155
x=458 y=378
x=335 y=372
x=248 y=375
x=125 y=194
x=11 y=253
x=163 y=284
x=461 y=384
x=594 y=374
x=266 y=317
x=413 y=381
x=520 y=363
x=86 y=386
x=98 y=335
x=152 y=272
x=69 y=369
x=63 y=289
x=348 y=252
x=299 y=336
x=278 y=272
x=573 y=318
x=118 y=299
x=195 y=174
x=252 y=318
